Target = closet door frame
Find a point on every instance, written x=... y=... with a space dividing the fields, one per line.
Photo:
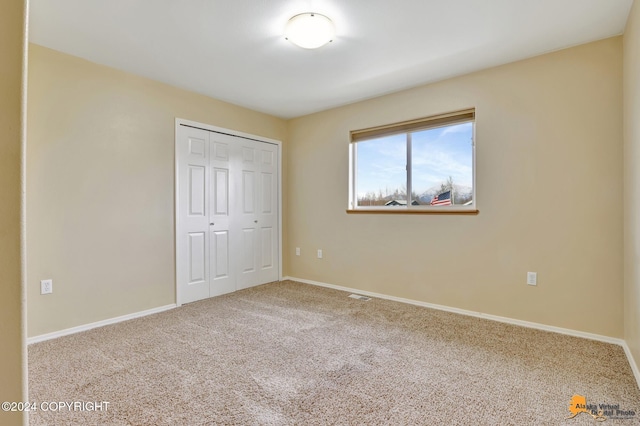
x=177 y=220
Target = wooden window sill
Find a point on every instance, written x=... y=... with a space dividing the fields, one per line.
x=439 y=211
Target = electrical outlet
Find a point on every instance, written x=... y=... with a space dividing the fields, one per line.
x=532 y=278
x=46 y=286
x=297 y=251
x=319 y=254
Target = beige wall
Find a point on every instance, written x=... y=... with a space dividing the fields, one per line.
x=632 y=182
x=100 y=192
x=11 y=324
x=549 y=185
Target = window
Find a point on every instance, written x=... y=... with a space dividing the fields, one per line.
x=425 y=165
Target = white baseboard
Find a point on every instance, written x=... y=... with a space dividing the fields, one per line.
x=538 y=326
x=632 y=362
x=528 y=324
x=80 y=328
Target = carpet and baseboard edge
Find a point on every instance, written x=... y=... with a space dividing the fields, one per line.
x=575 y=333
x=85 y=327
x=528 y=324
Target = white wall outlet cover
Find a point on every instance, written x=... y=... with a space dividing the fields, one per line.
x=297 y=251
x=532 y=278
x=46 y=286
x=319 y=254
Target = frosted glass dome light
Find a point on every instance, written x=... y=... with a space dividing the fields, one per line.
x=310 y=30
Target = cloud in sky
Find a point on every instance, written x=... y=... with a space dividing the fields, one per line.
x=436 y=155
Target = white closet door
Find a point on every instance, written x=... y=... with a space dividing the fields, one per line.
x=258 y=243
x=192 y=239
x=222 y=201
x=227 y=229
x=268 y=258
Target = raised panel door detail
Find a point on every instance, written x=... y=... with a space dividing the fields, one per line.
x=248 y=154
x=248 y=249
x=221 y=191
x=197 y=147
x=220 y=247
x=267 y=157
x=221 y=151
x=266 y=193
x=197 y=257
x=267 y=248
x=248 y=191
x=197 y=195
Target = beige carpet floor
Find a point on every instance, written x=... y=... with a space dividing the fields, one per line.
x=293 y=354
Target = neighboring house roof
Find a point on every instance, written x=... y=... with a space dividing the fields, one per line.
x=400 y=203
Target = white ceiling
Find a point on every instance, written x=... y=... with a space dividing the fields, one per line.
x=234 y=50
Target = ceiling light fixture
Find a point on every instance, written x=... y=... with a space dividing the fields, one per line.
x=310 y=30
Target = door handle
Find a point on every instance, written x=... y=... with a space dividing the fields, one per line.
x=255 y=221
x=212 y=224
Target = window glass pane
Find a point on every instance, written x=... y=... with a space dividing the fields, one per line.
x=381 y=176
x=442 y=165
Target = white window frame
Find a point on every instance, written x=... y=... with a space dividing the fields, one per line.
x=407 y=128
